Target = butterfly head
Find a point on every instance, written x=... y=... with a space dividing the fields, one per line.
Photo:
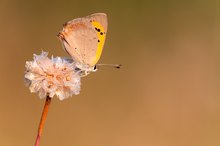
x=85 y=69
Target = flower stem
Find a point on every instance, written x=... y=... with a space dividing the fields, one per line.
x=42 y=121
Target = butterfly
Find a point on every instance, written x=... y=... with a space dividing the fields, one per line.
x=83 y=39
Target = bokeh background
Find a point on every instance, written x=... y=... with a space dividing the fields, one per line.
x=166 y=94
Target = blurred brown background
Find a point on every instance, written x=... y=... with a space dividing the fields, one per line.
x=166 y=94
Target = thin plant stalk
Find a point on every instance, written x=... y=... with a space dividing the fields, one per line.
x=43 y=119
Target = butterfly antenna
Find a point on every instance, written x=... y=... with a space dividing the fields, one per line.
x=118 y=66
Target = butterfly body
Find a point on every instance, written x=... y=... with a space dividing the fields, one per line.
x=83 y=39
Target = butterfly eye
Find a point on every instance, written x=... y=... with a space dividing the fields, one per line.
x=95 y=68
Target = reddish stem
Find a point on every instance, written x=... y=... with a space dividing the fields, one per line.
x=42 y=121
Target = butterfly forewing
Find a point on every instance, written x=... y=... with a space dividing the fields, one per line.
x=83 y=38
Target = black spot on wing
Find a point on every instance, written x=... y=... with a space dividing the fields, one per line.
x=97 y=29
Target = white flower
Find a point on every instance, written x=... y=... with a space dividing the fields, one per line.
x=49 y=77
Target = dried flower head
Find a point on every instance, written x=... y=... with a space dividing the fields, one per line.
x=49 y=77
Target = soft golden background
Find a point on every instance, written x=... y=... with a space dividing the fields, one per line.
x=166 y=94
